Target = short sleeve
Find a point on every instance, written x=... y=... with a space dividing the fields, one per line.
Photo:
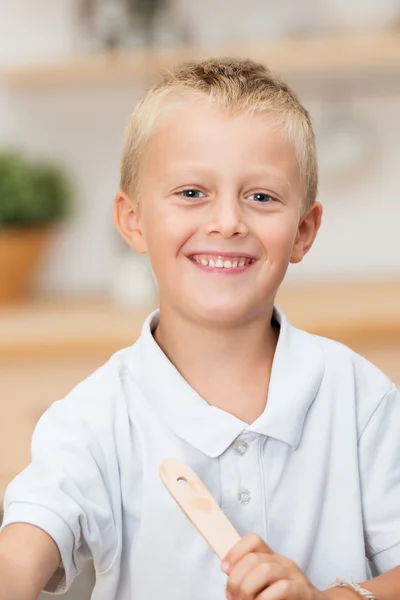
x=379 y=450
x=65 y=492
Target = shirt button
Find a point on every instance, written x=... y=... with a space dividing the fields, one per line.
x=244 y=497
x=241 y=447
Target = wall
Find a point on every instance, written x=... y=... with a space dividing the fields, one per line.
x=83 y=128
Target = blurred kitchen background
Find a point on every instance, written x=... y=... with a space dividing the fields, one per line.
x=70 y=73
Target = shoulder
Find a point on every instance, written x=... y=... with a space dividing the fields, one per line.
x=355 y=376
x=344 y=378
x=339 y=357
x=96 y=402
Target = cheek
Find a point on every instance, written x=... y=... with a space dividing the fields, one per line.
x=165 y=232
x=278 y=236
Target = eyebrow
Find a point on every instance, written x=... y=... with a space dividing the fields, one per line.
x=270 y=171
x=180 y=168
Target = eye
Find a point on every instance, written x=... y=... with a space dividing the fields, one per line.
x=191 y=193
x=261 y=197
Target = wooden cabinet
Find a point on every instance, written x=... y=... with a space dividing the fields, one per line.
x=50 y=345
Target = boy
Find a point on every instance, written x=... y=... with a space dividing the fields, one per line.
x=297 y=438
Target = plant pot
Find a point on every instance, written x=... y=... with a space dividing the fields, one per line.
x=20 y=251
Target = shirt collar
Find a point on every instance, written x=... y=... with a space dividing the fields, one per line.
x=296 y=375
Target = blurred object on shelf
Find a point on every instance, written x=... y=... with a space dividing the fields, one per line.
x=33 y=196
x=347 y=142
x=133 y=283
x=136 y=23
x=114 y=24
x=20 y=251
x=152 y=17
x=105 y=22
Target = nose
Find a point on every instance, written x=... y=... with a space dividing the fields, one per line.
x=226 y=218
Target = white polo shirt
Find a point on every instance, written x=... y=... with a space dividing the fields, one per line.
x=317 y=475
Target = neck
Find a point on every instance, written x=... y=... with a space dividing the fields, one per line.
x=228 y=366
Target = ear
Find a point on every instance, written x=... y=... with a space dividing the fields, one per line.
x=127 y=221
x=307 y=232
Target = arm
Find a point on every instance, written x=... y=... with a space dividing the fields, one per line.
x=384 y=587
x=256 y=572
x=28 y=559
x=66 y=492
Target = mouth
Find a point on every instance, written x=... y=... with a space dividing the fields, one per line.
x=222 y=262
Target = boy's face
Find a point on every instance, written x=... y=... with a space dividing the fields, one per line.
x=218 y=190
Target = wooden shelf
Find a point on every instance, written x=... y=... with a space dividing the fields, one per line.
x=66 y=326
x=351 y=312
x=344 y=54
x=57 y=327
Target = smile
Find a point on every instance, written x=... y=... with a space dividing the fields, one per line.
x=221 y=262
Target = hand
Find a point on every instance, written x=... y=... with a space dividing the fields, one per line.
x=255 y=572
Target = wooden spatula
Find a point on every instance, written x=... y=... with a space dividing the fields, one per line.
x=192 y=496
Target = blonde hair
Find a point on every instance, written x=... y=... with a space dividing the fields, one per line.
x=233 y=85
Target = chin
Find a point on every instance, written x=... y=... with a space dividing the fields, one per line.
x=221 y=313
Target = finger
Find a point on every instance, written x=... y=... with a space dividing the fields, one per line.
x=241 y=570
x=249 y=543
x=284 y=589
x=258 y=579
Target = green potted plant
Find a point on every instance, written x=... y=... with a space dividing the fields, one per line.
x=33 y=196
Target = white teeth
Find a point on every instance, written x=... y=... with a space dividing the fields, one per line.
x=220 y=263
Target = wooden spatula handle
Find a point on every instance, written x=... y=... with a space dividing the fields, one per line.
x=199 y=506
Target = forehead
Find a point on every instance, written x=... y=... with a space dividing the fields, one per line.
x=198 y=131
